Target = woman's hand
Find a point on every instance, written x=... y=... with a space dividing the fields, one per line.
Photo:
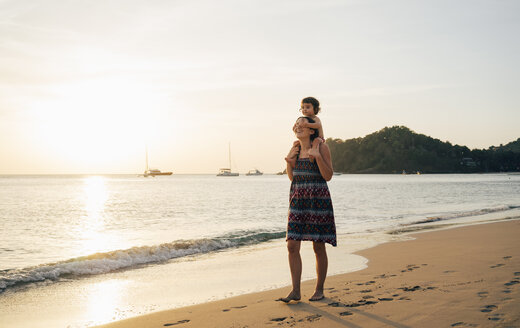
x=295 y=150
x=314 y=152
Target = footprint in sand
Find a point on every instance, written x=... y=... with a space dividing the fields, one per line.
x=279 y=319
x=385 y=298
x=314 y=317
x=410 y=289
x=462 y=323
x=482 y=294
x=335 y=304
x=410 y=267
x=234 y=307
x=512 y=282
x=176 y=323
x=507 y=257
x=365 y=291
x=496 y=317
x=497 y=265
x=488 y=308
x=345 y=313
x=449 y=271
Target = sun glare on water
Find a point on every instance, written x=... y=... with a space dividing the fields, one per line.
x=92 y=234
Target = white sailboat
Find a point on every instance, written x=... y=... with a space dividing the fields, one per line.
x=226 y=172
x=254 y=172
x=153 y=172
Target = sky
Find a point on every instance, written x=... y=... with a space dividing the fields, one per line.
x=87 y=86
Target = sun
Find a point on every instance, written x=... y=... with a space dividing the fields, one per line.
x=97 y=123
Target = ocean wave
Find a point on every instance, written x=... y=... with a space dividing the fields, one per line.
x=100 y=263
x=466 y=213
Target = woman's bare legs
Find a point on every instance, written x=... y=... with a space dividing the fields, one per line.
x=295 y=263
x=321 y=269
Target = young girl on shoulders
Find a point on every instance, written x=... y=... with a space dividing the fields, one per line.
x=310 y=107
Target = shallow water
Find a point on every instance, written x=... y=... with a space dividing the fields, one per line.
x=68 y=226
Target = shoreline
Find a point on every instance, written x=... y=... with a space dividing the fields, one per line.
x=455 y=274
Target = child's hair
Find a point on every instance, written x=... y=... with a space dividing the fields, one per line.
x=316 y=132
x=314 y=102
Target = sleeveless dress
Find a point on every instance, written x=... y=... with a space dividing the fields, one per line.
x=311 y=216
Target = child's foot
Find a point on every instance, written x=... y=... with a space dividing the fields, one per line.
x=293 y=296
x=318 y=295
x=316 y=142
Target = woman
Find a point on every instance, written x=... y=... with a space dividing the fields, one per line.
x=311 y=215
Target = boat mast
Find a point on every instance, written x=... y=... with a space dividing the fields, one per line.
x=146 y=157
x=229 y=151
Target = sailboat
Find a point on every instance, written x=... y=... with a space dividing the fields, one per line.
x=226 y=172
x=153 y=172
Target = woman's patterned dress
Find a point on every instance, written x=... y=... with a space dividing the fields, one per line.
x=311 y=216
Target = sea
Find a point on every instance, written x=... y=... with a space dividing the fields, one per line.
x=83 y=250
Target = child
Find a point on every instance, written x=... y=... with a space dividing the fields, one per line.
x=311 y=108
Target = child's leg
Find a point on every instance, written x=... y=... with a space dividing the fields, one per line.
x=315 y=145
x=316 y=142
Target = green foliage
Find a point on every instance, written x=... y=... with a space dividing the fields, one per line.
x=397 y=148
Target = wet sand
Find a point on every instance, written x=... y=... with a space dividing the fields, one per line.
x=465 y=276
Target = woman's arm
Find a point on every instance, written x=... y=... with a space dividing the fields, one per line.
x=289 y=169
x=323 y=159
x=291 y=159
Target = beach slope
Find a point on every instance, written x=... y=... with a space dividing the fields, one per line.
x=460 y=277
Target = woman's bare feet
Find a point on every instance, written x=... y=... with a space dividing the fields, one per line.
x=318 y=295
x=293 y=296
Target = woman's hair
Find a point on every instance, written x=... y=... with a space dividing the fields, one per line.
x=316 y=132
x=314 y=102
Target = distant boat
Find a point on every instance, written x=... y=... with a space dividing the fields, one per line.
x=226 y=172
x=254 y=172
x=153 y=172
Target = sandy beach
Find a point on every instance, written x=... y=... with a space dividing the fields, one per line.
x=466 y=276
